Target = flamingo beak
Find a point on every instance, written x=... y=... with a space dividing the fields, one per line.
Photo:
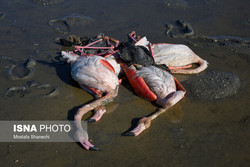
x=98 y=114
x=143 y=124
x=80 y=137
x=88 y=146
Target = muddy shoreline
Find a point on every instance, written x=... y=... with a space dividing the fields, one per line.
x=195 y=131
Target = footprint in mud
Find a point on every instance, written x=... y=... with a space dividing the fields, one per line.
x=48 y=2
x=183 y=29
x=32 y=89
x=64 y=24
x=212 y=85
x=20 y=71
x=180 y=29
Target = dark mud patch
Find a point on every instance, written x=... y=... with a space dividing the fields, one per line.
x=73 y=40
x=213 y=85
x=179 y=29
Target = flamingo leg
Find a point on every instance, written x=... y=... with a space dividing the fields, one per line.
x=132 y=35
x=113 y=40
x=109 y=47
x=98 y=111
x=182 y=67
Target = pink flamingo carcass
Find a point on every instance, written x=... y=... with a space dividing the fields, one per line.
x=97 y=76
x=153 y=84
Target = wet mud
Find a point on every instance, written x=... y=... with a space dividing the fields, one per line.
x=64 y=24
x=6 y=62
x=209 y=127
x=213 y=85
x=32 y=89
x=21 y=71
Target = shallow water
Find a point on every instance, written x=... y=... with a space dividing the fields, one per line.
x=192 y=133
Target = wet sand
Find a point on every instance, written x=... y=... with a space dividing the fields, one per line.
x=192 y=133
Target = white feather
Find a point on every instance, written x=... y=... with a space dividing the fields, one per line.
x=70 y=57
x=143 y=42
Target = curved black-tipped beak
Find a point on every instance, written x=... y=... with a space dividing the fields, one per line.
x=128 y=134
x=94 y=148
x=90 y=120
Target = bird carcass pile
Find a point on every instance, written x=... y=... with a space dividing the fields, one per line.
x=99 y=63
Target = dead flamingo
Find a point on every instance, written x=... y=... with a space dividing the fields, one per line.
x=154 y=84
x=178 y=57
x=97 y=76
